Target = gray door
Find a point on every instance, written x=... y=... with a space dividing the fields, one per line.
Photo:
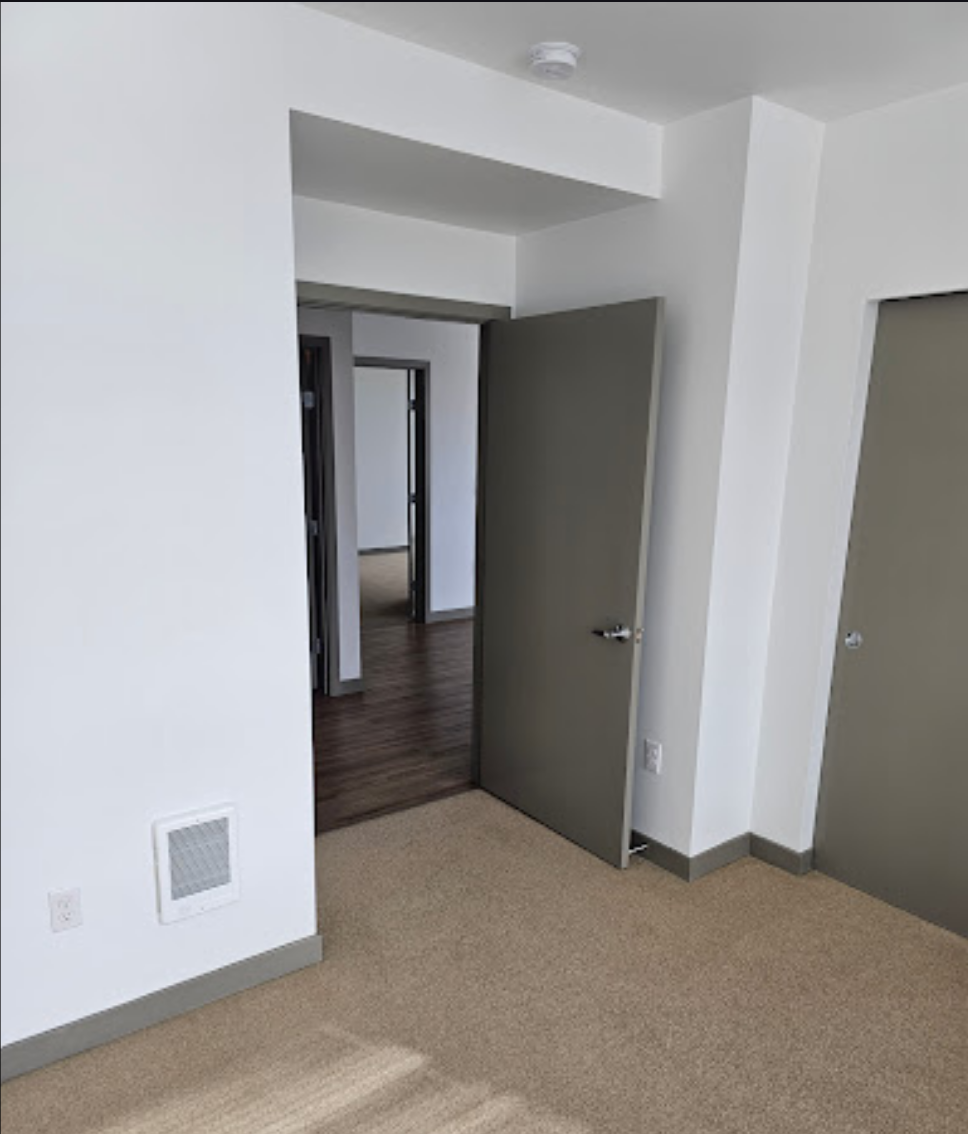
x=893 y=812
x=568 y=410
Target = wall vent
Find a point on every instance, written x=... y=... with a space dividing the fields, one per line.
x=197 y=862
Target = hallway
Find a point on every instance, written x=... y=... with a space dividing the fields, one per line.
x=406 y=739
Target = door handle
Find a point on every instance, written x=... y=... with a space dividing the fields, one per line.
x=617 y=633
x=854 y=640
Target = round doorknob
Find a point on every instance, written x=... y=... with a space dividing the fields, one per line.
x=854 y=640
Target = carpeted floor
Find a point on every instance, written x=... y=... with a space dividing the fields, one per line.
x=484 y=976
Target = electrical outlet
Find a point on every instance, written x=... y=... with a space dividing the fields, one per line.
x=65 y=910
x=653 y=757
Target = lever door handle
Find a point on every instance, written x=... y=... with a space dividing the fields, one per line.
x=616 y=634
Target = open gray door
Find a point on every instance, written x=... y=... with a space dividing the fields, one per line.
x=568 y=422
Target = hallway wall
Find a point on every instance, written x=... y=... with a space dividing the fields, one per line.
x=452 y=351
x=381 y=413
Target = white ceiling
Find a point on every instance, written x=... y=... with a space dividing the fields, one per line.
x=334 y=161
x=667 y=61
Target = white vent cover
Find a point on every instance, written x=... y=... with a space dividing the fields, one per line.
x=197 y=862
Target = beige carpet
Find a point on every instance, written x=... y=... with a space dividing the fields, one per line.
x=484 y=976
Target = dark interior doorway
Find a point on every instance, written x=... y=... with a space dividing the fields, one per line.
x=316 y=396
x=403 y=734
x=416 y=375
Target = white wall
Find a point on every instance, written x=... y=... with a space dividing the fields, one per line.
x=452 y=351
x=685 y=247
x=381 y=458
x=154 y=594
x=151 y=427
x=729 y=246
x=891 y=221
x=340 y=244
x=777 y=230
x=337 y=326
x=353 y=74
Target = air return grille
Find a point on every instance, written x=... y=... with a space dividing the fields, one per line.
x=196 y=862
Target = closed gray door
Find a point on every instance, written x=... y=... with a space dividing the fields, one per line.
x=568 y=409
x=893 y=812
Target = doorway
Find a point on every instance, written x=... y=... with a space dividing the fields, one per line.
x=393 y=482
x=396 y=730
x=531 y=690
x=316 y=405
x=894 y=787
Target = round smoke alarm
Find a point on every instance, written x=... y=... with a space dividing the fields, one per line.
x=554 y=60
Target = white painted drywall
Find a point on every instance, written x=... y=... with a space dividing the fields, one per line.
x=153 y=532
x=729 y=246
x=381 y=458
x=452 y=351
x=685 y=247
x=154 y=592
x=351 y=73
x=777 y=232
x=337 y=326
x=340 y=244
x=891 y=221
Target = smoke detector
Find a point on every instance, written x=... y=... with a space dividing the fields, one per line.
x=556 y=61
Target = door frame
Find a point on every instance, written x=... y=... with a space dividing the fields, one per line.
x=420 y=407
x=310 y=295
x=320 y=295
x=325 y=534
x=334 y=297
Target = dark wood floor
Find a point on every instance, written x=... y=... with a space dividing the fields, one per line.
x=407 y=738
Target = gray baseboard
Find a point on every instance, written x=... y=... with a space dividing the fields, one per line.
x=690 y=868
x=103 y=1027
x=793 y=862
x=338 y=688
x=718 y=856
x=458 y=615
x=383 y=550
x=660 y=855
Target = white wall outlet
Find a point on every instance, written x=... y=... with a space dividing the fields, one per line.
x=65 y=910
x=653 y=757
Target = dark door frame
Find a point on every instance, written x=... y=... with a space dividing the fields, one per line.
x=420 y=407
x=316 y=410
x=332 y=297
